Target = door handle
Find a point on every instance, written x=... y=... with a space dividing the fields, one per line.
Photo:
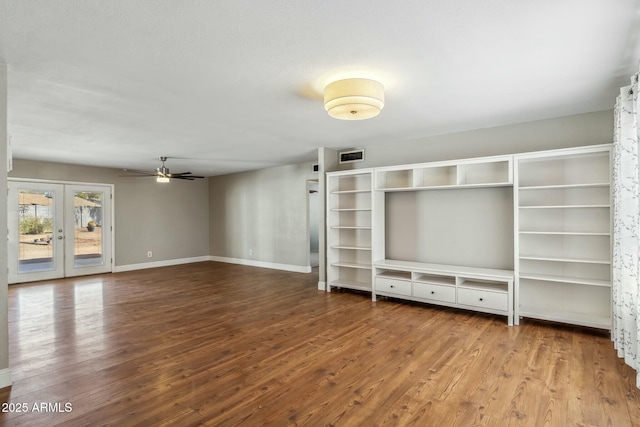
x=60 y=237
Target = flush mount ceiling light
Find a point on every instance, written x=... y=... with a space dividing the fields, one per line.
x=354 y=99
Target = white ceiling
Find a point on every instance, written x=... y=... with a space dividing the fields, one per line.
x=236 y=85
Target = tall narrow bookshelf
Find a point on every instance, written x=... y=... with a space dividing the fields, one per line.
x=563 y=236
x=349 y=230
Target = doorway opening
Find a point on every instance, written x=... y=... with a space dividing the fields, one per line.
x=313 y=213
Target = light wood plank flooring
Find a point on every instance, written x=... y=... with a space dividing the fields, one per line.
x=224 y=345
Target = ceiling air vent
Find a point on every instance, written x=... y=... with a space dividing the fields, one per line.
x=352 y=156
x=315 y=168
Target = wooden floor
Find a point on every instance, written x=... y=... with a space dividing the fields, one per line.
x=224 y=345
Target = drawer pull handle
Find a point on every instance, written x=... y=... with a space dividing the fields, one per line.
x=481 y=299
x=433 y=292
x=391 y=286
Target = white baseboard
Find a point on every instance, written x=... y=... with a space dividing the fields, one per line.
x=155 y=264
x=253 y=263
x=322 y=286
x=5 y=378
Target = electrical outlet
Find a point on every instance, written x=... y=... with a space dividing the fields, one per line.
x=149 y=254
x=250 y=252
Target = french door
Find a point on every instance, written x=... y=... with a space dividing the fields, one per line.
x=58 y=230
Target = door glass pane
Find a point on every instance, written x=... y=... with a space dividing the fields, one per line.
x=88 y=233
x=35 y=245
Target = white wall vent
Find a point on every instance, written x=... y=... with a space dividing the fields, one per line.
x=352 y=156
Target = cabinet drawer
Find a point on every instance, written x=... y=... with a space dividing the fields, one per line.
x=483 y=299
x=393 y=286
x=434 y=292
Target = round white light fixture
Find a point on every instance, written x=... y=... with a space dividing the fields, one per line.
x=354 y=99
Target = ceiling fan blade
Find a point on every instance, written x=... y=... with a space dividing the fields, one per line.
x=137 y=176
x=183 y=175
x=146 y=173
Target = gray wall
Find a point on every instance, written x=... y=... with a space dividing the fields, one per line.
x=471 y=227
x=4 y=312
x=171 y=220
x=262 y=211
x=562 y=132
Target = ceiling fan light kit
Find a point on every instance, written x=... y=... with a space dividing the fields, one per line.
x=163 y=172
x=354 y=99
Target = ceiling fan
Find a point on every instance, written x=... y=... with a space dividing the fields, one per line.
x=162 y=173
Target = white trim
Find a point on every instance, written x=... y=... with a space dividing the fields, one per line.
x=587 y=149
x=155 y=264
x=57 y=181
x=322 y=286
x=363 y=171
x=5 y=377
x=273 y=265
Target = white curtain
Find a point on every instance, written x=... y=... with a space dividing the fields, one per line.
x=626 y=227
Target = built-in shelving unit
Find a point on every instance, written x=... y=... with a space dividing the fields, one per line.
x=563 y=236
x=525 y=235
x=349 y=230
x=479 y=289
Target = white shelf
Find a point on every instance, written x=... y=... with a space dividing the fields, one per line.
x=565 y=279
x=486 y=185
x=565 y=259
x=351 y=210
x=356 y=248
x=352 y=265
x=435 y=280
x=565 y=207
x=582 y=319
x=448 y=187
x=350 y=191
x=444 y=269
x=390 y=190
x=569 y=233
x=485 y=286
x=361 y=286
x=550 y=187
x=399 y=275
x=351 y=227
